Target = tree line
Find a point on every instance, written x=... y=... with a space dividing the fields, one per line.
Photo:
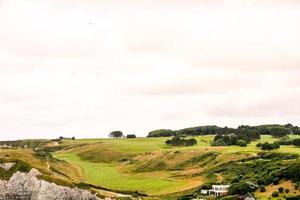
x=252 y=132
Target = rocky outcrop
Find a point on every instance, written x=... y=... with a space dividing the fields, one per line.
x=26 y=186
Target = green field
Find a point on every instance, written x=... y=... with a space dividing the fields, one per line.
x=148 y=165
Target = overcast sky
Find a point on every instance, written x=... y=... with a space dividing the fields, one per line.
x=85 y=68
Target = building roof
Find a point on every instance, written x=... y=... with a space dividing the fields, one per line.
x=220 y=185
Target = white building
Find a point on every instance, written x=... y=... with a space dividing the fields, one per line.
x=218 y=190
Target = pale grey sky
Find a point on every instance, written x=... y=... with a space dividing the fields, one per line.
x=85 y=68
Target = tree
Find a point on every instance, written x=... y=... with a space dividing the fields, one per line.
x=116 y=134
x=268 y=146
x=162 y=133
x=73 y=138
x=262 y=188
x=131 y=136
x=242 y=188
x=191 y=142
x=296 y=142
x=280 y=131
x=177 y=141
x=241 y=143
x=275 y=194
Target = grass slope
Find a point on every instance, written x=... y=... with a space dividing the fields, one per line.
x=146 y=165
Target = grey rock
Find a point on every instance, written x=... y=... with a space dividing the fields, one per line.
x=26 y=186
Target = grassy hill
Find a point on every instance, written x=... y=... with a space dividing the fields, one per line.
x=152 y=168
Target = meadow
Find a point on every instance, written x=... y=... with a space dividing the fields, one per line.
x=147 y=165
x=150 y=166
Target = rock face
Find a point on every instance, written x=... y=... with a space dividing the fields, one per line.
x=26 y=186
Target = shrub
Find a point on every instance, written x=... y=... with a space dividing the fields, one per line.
x=275 y=194
x=296 y=142
x=177 y=141
x=241 y=143
x=293 y=172
x=287 y=190
x=269 y=146
x=162 y=133
x=280 y=190
x=262 y=188
x=116 y=134
x=131 y=136
x=242 y=188
x=275 y=181
x=280 y=131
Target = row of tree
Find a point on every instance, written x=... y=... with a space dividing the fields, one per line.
x=177 y=141
x=119 y=134
x=231 y=139
x=240 y=136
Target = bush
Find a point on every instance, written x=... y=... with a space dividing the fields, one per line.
x=293 y=172
x=280 y=131
x=275 y=181
x=242 y=188
x=162 y=133
x=269 y=146
x=275 y=194
x=241 y=143
x=296 y=142
x=131 y=136
x=262 y=188
x=287 y=190
x=280 y=190
x=116 y=134
x=177 y=141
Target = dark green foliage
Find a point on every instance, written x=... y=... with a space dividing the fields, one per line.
x=199 y=130
x=131 y=136
x=177 y=141
x=243 y=132
x=241 y=143
x=293 y=172
x=265 y=169
x=241 y=136
x=293 y=198
x=280 y=189
x=194 y=131
x=262 y=188
x=296 y=142
x=277 y=156
x=268 y=146
x=116 y=134
x=280 y=131
x=284 y=142
x=242 y=188
x=275 y=181
x=225 y=140
x=275 y=194
x=287 y=190
x=251 y=133
x=162 y=133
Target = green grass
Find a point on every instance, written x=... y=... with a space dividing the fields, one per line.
x=107 y=175
x=101 y=162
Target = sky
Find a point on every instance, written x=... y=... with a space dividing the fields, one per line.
x=86 y=68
